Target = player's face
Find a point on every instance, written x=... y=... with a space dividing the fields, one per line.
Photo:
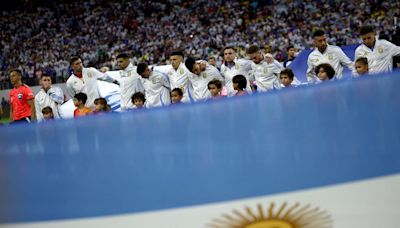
x=322 y=75
x=196 y=68
x=320 y=42
x=285 y=80
x=175 y=60
x=256 y=57
x=213 y=90
x=369 y=39
x=123 y=63
x=229 y=55
x=146 y=73
x=361 y=68
x=235 y=86
x=46 y=82
x=138 y=103
x=77 y=65
x=291 y=52
x=212 y=62
x=14 y=77
x=175 y=97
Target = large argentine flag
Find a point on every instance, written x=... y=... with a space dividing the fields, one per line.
x=320 y=156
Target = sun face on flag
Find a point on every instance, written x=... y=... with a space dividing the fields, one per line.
x=295 y=216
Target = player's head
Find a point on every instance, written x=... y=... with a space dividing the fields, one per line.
x=193 y=66
x=239 y=82
x=123 y=61
x=367 y=34
x=361 y=65
x=80 y=99
x=212 y=61
x=229 y=54
x=324 y=72
x=76 y=63
x=176 y=59
x=319 y=39
x=291 y=51
x=286 y=77
x=45 y=81
x=214 y=86
x=255 y=54
x=47 y=113
x=143 y=70
x=176 y=95
x=15 y=76
x=138 y=99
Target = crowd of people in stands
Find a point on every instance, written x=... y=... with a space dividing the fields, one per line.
x=41 y=40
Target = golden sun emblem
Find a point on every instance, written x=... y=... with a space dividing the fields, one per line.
x=295 y=216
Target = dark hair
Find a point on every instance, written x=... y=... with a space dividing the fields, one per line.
x=215 y=82
x=366 y=29
x=240 y=80
x=288 y=48
x=327 y=68
x=189 y=63
x=102 y=101
x=362 y=60
x=179 y=53
x=228 y=47
x=141 y=68
x=45 y=75
x=253 y=49
x=178 y=90
x=123 y=55
x=288 y=72
x=318 y=32
x=81 y=97
x=138 y=96
x=73 y=59
x=47 y=109
x=18 y=71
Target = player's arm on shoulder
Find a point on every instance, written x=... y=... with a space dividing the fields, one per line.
x=310 y=70
x=38 y=108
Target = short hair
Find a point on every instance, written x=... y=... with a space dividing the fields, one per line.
x=362 y=60
x=138 y=96
x=123 y=55
x=141 y=68
x=212 y=57
x=73 y=59
x=178 y=90
x=228 y=47
x=215 y=82
x=318 y=32
x=289 y=47
x=240 y=80
x=18 y=71
x=45 y=75
x=189 y=63
x=81 y=97
x=253 y=49
x=366 y=29
x=179 y=53
x=327 y=68
x=288 y=72
x=47 y=110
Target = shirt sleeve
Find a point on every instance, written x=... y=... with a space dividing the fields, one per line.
x=101 y=76
x=29 y=94
x=344 y=60
x=38 y=110
x=70 y=90
x=310 y=71
x=395 y=50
